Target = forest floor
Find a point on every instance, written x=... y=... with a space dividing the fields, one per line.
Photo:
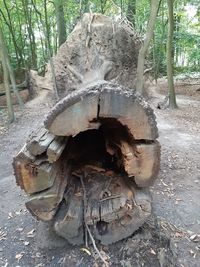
x=172 y=235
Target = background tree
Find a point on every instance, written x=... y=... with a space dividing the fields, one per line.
x=144 y=49
x=33 y=37
x=6 y=78
x=60 y=20
x=170 y=79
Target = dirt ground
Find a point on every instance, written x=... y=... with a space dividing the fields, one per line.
x=172 y=235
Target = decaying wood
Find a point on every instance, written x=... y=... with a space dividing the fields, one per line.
x=39 y=141
x=141 y=161
x=45 y=204
x=69 y=222
x=104 y=215
x=25 y=155
x=56 y=148
x=85 y=221
x=34 y=177
x=34 y=174
x=101 y=128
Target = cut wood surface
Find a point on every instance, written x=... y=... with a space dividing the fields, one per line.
x=34 y=178
x=78 y=112
x=33 y=174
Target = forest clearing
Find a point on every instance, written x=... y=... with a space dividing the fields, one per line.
x=100 y=134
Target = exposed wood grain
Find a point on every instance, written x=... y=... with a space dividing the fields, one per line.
x=141 y=161
x=33 y=174
x=44 y=205
x=70 y=222
x=39 y=141
x=56 y=148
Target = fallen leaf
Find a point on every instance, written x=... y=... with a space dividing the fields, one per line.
x=178 y=235
x=38 y=254
x=192 y=252
x=10 y=215
x=2 y=235
x=31 y=233
x=195 y=238
x=192 y=237
x=26 y=243
x=86 y=250
x=152 y=251
x=18 y=212
x=20 y=229
x=19 y=256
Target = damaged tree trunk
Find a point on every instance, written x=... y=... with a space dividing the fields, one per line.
x=92 y=162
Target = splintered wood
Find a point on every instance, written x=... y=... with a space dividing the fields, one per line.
x=37 y=163
x=89 y=167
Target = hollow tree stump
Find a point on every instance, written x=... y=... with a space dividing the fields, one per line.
x=100 y=138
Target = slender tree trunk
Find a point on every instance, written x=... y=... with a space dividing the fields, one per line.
x=144 y=49
x=10 y=71
x=20 y=34
x=12 y=79
x=6 y=79
x=159 y=55
x=47 y=30
x=60 y=20
x=49 y=52
x=18 y=52
x=131 y=9
x=31 y=36
x=170 y=79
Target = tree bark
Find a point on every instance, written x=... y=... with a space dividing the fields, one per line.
x=60 y=20
x=144 y=49
x=170 y=79
x=6 y=79
x=12 y=79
